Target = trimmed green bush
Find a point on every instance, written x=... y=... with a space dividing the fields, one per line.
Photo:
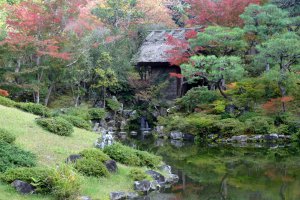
x=91 y=167
x=77 y=121
x=130 y=156
x=6 y=136
x=113 y=104
x=7 y=102
x=12 y=156
x=34 y=108
x=95 y=154
x=97 y=113
x=137 y=174
x=37 y=176
x=195 y=97
x=230 y=126
x=259 y=125
x=65 y=182
x=56 y=125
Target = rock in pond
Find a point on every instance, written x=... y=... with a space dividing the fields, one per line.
x=73 y=158
x=142 y=186
x=23 y=187
x=133 y=133
x=188 y=137
x=118 y=196
x=271 y=137
x=176 y=135
x=240 y=138
x=156 y=176
x=123 y=195
x=111 y=166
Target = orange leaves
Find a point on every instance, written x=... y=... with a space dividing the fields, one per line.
x=4 y=93
x=274 y=104
x=176 y=75
x=223 y=12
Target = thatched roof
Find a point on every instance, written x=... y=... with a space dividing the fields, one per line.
x=154 y=48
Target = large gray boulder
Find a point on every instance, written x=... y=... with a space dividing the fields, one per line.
x=23 y=187
x=156 y=176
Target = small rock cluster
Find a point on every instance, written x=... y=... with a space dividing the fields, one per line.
x=145 y=186
x=258 y=138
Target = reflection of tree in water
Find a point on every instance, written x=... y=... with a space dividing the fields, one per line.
x=226 y=172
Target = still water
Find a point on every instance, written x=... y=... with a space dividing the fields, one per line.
x=226 y=172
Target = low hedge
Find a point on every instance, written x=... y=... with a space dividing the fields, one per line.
x=130 y=156
x=37 y=176
x=56 y=125
x=96 y=113
x=77 y=121
x=62 y=181
x=7 y=102
x=34 y=108
x=6 y=136
x=12 y=156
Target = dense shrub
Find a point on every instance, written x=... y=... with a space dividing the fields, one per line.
x=196 y=124
x=289 y=122
x=65 y=182
x=33 y=108
x=129 y=156
x=259 y=125
x=113 y=104
x=95 y=154
x=12 y=156
x=7 y=102
x=91 y=167
x=56 y=125
x=81 y=112
x=77 y=121
x=37 y=176
x=6 y=136
x=97 y=113
x=196 y=97
x=219 y=106
x=137 y=174
x=230 y=126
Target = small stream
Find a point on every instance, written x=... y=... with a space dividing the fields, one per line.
x=235 y=172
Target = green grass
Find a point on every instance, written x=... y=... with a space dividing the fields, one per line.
x=52 y=149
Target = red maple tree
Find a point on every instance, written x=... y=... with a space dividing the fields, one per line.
x=4 y=93
x=222 y=13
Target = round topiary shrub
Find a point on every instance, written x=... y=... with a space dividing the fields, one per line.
x=34 y=108
x=91 y=167
x=95 y=154
x=6 y=136
x=77 y=121
x=56 y=125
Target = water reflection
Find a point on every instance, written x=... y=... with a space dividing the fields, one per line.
x=250 y=172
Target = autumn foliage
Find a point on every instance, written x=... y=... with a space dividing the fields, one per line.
x=4 y=93
x=274 y=104
x=222 y=13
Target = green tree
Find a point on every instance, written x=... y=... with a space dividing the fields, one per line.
x=214 y=70
x=106 y=78
x=282 y=54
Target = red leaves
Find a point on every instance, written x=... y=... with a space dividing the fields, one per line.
x=176 y=75
x=273 y=104
x=4 y=93
x=223 y=12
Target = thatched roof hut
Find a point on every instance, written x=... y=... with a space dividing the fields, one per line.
x=152 y=59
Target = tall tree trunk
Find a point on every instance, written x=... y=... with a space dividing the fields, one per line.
x=219 y=86
x=49 y=94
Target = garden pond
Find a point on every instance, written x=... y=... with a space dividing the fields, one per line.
x=227 y=172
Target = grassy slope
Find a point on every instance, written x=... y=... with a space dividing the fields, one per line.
x=52 y=149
